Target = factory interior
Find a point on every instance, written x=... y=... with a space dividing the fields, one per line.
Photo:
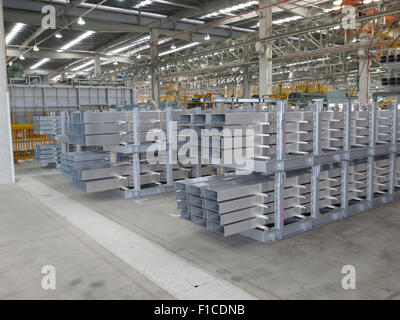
x=200 y=150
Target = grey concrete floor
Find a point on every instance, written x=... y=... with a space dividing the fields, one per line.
x=307 y=266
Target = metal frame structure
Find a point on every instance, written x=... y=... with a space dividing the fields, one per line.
x=379 y=182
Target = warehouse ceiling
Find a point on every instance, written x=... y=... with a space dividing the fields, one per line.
x=118 y=32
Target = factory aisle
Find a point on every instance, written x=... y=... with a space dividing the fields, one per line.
x=308 y=266
x=32 y=236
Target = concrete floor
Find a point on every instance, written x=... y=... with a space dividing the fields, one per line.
x=307 y=266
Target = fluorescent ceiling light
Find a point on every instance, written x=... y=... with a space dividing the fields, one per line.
x=192 y=21
x=40 y=63
x=77 y=40
x=56 y=77
x=143 y=4
x=147 y=46
x=288 y=19
x=280 y=21
x=228 y=10
x=14 y=31
x=132 y=45
x=82 y=66
x=89 y=63
x=193 y=44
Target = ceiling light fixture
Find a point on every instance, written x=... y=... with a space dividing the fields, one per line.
x=81 y=21
x=40 y=63
x=35 y=48
x=228 y=10
x=132 y=45
x=179 y=49
x=82 y=66
x=58 y=35
x=288 y=19
x=14 y=31
x=207 y=37
x=77 y=40
x=173 y=46
x=21 y=57
x=143 y=4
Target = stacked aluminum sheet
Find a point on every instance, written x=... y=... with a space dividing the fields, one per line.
x=83 y=160
x=332 y=124
x=359 y=129
x=48 y=125
x=98 y=128
x=299 y=132
x=234 y=204
x=48 y=153
x=381 y=175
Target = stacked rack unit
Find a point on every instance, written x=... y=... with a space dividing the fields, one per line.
x=325 y=165
x=52 y=127
x=129 y=137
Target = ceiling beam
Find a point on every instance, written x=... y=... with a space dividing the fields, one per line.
x=97 y=25
x=15 y=51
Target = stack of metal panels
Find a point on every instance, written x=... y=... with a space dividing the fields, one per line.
x=299 y=133
x=381 y=175
x=48 y=153
x=349 y=165
x=230 y=204
x=234 y=204
x=84 y=160
x=383 y=127
x=98 y=128
x=48 y=125
x=330 y=183
x=332 y=124
x=241 y=136
x=359 y=129
x=125 y=169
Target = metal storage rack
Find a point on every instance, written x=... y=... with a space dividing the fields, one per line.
x=123 y=135
x=349 y=165
x=53 y=126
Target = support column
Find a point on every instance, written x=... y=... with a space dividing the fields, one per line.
x=6 y=152
x=363 y=73
x=97 y=67
x=265 y=49
x=155 y=77
x=246 y=83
